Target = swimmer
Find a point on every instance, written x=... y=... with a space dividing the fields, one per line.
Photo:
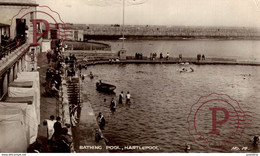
x=113 y=105
x=82 y=77
x=91 y=75
x=99 y=136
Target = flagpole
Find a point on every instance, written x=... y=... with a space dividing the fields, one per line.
x=123 y=27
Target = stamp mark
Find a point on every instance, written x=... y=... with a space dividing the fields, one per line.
x=34 y=56
x=216 y=122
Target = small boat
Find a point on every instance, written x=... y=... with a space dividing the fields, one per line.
x=105 y=87
x=122 y=38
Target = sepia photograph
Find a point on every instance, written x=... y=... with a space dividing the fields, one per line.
x=130 y=76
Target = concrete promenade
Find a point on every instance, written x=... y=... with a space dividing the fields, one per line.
x=84 y=133
x=48 y=108
x=174 y=61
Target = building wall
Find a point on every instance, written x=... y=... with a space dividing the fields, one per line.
x=10 y=12
x=81 y=35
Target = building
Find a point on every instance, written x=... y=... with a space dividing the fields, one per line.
x=19 y=106
x=13 y=14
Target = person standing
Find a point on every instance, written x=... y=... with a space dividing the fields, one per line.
x=167 y=56
x=49 y=56
x=57 y=78
x=57 y=128
x=121 y=95
x=203 y=57
x=101 y=121
x=50 y=130
x=113 y=105
x=161 y=56
x=128 y=96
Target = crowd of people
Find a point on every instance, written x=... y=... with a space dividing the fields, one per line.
x=113 y=105
x=153 y=56
x=60 y=67
x=200 y=57
x=138 y=56
x=54 y=74
x=59 y=140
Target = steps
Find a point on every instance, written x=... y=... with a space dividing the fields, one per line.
x=74 y=92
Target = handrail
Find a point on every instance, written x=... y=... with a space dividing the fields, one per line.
x=10 y=64
x=10 y=47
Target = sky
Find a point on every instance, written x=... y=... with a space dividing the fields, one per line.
x=230 y=13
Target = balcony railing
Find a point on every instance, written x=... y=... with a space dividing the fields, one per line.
x=11 y=46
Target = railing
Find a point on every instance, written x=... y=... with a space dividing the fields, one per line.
x=12 y=45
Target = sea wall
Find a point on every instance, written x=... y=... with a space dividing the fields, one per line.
x=87 y=128
x=95 y=31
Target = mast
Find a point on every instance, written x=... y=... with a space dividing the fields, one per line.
x=123 y=27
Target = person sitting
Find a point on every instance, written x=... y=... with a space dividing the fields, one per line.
x=64 y=141
x=54 y=91
x=35 y=147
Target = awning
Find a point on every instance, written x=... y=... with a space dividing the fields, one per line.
x=13 y=129
x=25 y=84
x=31 y=122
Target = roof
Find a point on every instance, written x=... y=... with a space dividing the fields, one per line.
x=4 y=25
x=19 y=4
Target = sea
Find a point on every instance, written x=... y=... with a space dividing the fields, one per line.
x=162 y=97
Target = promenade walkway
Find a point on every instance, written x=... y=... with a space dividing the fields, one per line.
x=175 y=61
x=48 y=108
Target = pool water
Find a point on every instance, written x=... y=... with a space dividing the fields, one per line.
x=161 y=98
